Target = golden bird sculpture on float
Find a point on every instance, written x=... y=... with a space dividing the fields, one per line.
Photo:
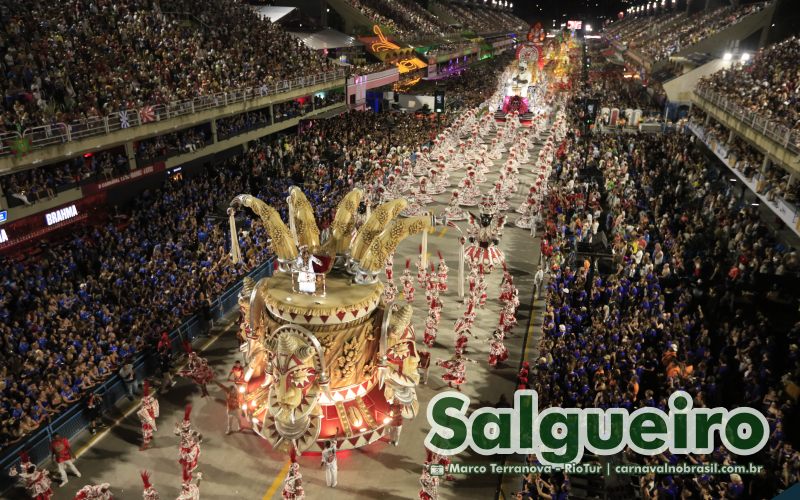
x=328 y=357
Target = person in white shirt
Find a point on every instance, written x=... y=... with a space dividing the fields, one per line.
x=329 y=462
x=538 y=279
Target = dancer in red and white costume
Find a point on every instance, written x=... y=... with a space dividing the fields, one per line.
x=35 y=481
x=431 y=329
x=508 y=318
x=454 y=212
x=422 y=272
x=149 y=492
x=432 y=458
x=481 y=288
x=429 y=486
x=456 y=367
x=498 y=352
x=148 y=413
x=95 y=492
x=441 y=273
x=463 y=327
x=408 y=282
x=293 y=483
x=198 y=370
x=390 y=290
x=189 y=450
x=484 y=235
x=190 y=490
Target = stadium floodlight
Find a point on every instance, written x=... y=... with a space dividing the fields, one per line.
x=745 y=57
x=727 y=56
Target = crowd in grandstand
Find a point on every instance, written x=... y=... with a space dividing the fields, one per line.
x=658 y=37
x=689 y=300
x=769 y=85
x=79 y=58
x=773 y=182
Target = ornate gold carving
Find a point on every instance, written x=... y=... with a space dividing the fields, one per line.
x=385 y=243
x=376 y=223
x=282 y=242
x=303 y=218
x=343 y=223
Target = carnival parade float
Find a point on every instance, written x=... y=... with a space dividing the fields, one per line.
x=328 y=357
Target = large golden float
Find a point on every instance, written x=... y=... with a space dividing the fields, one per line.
x=335 y=362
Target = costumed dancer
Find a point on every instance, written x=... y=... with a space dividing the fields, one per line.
x=233 y=406
x=95 y=492
x=63 y=457
x=432 y=458
x=463 y=327
x=442 y=273
x=481 y=288
x=396 y=423
x=149 y=492
x=456 y=369
x=198 y=370
x=508 y=318
x=424 y=366
x=390 y=290
x=484 y=235
x=408 y=282
x=498 y=352
x=453 y=211
x=148 y=413
x=293 y=482
x=422 y=271
x=190 y=490
x=189 y=450
x=429 y=486
x=35 y=481
x=431 y=329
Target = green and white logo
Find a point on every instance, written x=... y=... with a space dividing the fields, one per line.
x=561 y=435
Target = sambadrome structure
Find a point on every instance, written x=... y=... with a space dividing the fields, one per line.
x=326 y=355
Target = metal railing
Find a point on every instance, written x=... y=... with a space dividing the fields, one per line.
x=59 y=133
x=74 y=419
x=778 y=133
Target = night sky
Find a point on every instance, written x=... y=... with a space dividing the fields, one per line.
x=546 y=11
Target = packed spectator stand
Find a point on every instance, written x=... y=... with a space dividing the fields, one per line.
x=659 y=36
x=80 y=59
x=767 y=85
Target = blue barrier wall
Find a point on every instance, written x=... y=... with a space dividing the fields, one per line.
x=74 y=419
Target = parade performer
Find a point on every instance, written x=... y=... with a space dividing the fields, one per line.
x=233 y=406
x=390 y=290
x=190 y=490
x=456 y=367
x=95 y=492
x=408 y=282
x=396 y=423
x=198 y=370
x=442 y=273
x=508 y=318
x=35 y=481
x=431 y=328
x=149 y=492
x=422 y=271
x=432 y=458
x=148 y=413
x=424 y=366
x=189 y=450
x=63 y=457
x=481 y=288
x=454 y=212
x=484 y=235
x=429 y=486
x=293 y=483
x=498 y=352
x=330 y=463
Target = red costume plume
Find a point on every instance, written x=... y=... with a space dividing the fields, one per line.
x=24 y=458
x=293 y=454
x=187 y=412
x=146 y=389
x=187 y=347
x=439 y=253
x=408 y=263
x=145 y=479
